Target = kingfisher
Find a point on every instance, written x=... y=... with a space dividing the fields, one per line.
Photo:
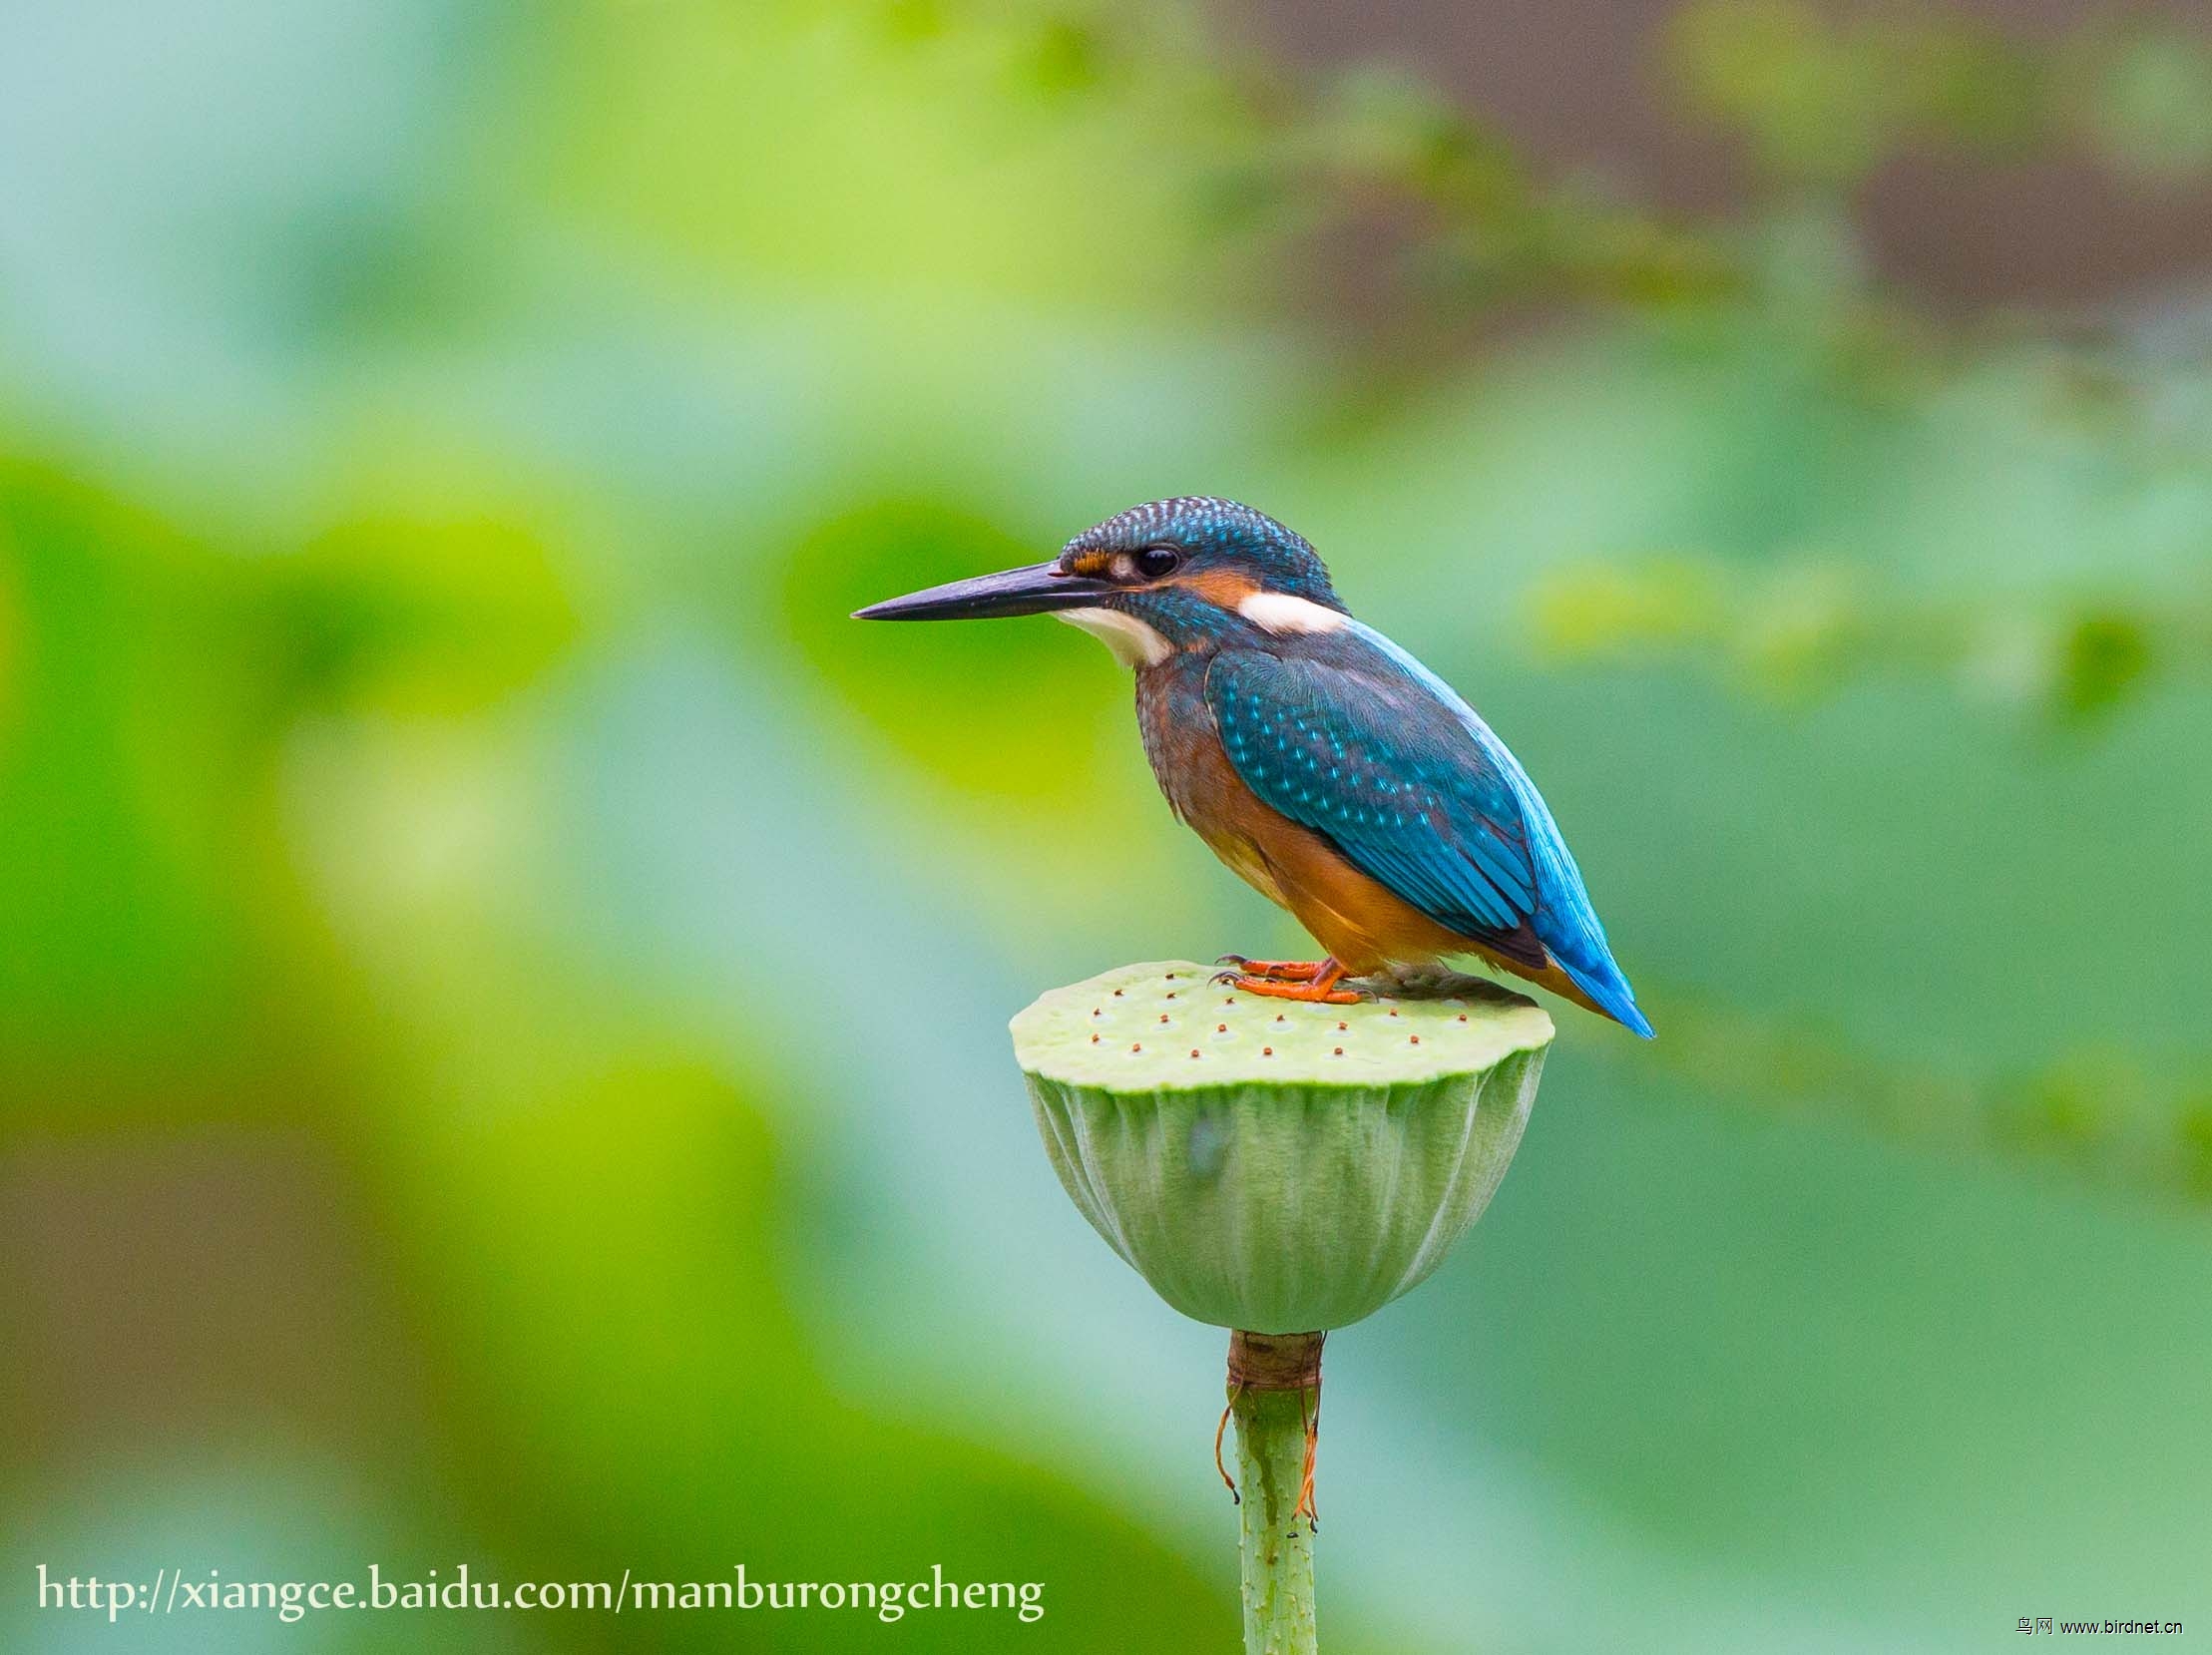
x=1340 y=777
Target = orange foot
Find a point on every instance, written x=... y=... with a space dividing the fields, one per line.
x=1303 y=971
x=1320 y=987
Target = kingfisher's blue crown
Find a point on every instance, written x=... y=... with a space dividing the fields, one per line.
x=1216 y=534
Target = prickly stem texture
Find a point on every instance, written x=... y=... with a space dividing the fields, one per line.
x=1278 y=1547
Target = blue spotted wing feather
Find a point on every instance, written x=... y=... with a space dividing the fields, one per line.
x=1391 y=782
x=1370 y=748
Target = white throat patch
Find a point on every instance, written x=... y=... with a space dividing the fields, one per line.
x=1280 y=612
x=1134 y=643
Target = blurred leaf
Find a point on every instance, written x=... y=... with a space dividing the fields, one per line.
x=130 y=773
x=2106 y=657
x=1600 y=611
x=1802 y=629
x=2149 y=101
x=1069 y=56
x=422 y=616
x=1828 y=99
x=2095 y=1115
x=1002 y=707
x=1817 y=102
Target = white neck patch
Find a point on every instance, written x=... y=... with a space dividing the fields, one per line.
x=1134 y=643
x=1280 y=612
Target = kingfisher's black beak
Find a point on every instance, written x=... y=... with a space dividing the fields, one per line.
x=1037 y=589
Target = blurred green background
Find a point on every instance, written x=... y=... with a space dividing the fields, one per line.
x=502 y=986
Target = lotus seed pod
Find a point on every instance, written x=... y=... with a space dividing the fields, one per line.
x=1278 y=1166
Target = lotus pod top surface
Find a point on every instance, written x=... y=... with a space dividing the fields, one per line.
x=1166 y=1026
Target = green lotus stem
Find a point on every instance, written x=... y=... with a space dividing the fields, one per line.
x=1278 y=1168
x=1276 y=1417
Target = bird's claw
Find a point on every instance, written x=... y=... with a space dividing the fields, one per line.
x=1289 y=970
x=1322 y=991
x=1311 y=980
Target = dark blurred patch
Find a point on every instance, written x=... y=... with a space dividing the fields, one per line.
x=1423 y=223
x=1996 y=152
x=1821 y=99
x=162 y=1291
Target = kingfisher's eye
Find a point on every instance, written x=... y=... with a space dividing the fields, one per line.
x=1157 y=561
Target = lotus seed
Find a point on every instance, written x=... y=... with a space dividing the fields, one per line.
x=1195 y=1051
x=1267 y=1051
x=1220 y=1028
x=1340 y=1052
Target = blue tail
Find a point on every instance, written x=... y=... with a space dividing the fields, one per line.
x=1609 y=988
x=1563 y=919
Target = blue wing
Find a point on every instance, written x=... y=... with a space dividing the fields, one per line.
x=1368 y=746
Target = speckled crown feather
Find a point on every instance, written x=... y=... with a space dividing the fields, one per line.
x=1208 y=528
